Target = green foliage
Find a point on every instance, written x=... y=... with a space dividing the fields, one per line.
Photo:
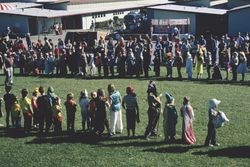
x=84 y=150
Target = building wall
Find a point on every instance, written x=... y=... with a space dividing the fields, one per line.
x=45 y=25
x=160 y=14
x=19 y=22
x=238 y=21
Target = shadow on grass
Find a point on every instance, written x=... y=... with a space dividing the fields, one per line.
x=231 y=152
x=173 y=149
x=78 y=137
x=13 y=133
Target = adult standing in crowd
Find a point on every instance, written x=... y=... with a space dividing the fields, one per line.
x=154 y=109
x=130 y=105
x=8 y=66
x=147 y=56
x=44 y=110
x=115 y=100
x=9 y=99
x=111 y=55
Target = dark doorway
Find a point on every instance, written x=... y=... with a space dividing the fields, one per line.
x=33 y=26
x=211 y=24
x=72 y=22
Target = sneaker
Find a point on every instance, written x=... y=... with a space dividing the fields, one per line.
x=217 y=144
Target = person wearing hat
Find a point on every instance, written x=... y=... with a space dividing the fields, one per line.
x=154 y=109
x=84 y=105
x=187 y=113
x=130 y=105
x=169 y=118
x=211 y=132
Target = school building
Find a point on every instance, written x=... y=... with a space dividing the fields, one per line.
x=194 y=16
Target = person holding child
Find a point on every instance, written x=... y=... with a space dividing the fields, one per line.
x=27 y=110
x=187 y=113
x=70 y=105
x=169 y=119
x=130 y=105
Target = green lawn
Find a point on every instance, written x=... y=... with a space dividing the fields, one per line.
x=84 y=150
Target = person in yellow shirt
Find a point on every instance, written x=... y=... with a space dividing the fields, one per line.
x=16 y=114
x=57 y=115
x=27 y=110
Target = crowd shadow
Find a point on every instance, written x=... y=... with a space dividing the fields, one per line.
x=77 y=137
x=173 y=149
x=230 y=152
x=13 y=133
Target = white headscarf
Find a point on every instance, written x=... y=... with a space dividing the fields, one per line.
x=213 y=103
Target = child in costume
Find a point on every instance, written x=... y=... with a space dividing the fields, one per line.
x=130 y=105
x=84 y=105
x=169 y=119
x=187 y=113
x=16 y=114
x=189 y=66
x=70 y=105
x=27 y=110
x=211 y=132
x=57 y=115
x=242 y=68
x=154 y=109
x=9 y=99
x=34 y=105
x=169 y=65
x=92 y=109
x=101 y=113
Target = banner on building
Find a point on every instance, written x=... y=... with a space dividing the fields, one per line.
x=162 y=22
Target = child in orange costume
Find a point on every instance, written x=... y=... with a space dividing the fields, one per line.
x=57 y=115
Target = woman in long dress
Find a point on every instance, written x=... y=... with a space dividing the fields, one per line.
x=187 y=113
x=199 y=59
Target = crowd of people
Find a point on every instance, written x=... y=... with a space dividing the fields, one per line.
x=132 y=57
x=43 y=112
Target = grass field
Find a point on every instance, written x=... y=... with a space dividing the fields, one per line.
x=84 y=150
